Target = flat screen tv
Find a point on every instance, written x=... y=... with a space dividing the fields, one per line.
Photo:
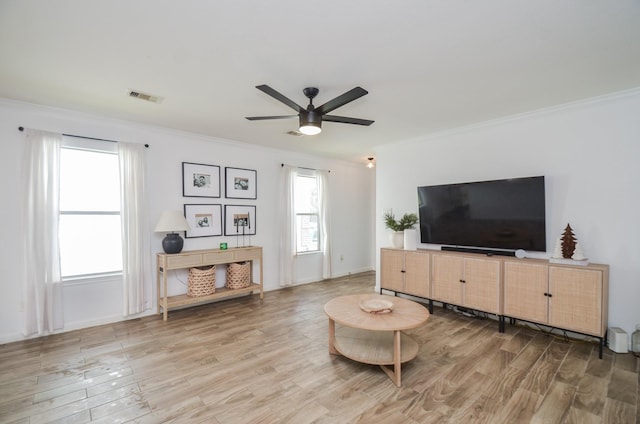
x=492 y=216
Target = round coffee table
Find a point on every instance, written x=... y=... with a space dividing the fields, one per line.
x=375 y=338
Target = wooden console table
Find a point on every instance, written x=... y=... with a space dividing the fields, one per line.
x=196 y=258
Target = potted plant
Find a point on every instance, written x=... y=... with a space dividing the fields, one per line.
x=397 y=227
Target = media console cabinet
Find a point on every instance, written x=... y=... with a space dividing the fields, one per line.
x=197 y=258
x=561 y=296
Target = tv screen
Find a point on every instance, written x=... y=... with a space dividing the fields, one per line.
x=504 y=214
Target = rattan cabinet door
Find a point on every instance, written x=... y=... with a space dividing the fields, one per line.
x=482 y=284
x=525 y=286
x=576 y=299
x=392 y=269
x=447 y=279
x=416 y=276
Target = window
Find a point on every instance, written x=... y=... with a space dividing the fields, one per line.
x=89 y=233
x=307 y=211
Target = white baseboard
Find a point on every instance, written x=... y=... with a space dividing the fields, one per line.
x=79 y=325
x=71 y=326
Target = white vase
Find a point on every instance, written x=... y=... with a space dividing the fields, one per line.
x=410 y=239
x=397 y=239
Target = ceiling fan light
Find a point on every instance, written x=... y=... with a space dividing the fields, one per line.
x=310 y=129
x=310 y=122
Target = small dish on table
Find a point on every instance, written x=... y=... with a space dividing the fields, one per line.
x=376 y=306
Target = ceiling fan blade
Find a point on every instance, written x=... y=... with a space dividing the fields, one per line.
x=345 y=120
x=342 y=99
x=276 y=95
x=262 y=118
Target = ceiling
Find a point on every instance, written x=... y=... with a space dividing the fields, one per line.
x=428 y=65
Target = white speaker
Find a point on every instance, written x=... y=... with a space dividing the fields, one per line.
x=617 y=340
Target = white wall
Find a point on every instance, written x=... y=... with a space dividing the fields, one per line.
x=352 y=207
x=589 y=153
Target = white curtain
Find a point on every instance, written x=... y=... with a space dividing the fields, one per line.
x=42 y=288
x=287 y=225
x=325 y=227
x=135 y=228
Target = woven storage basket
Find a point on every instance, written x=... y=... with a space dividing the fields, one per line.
x=201 y=281
x=238 y=275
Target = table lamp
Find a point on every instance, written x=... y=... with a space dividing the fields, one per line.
x=170 y=222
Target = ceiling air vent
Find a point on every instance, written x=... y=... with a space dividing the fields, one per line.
x=144 y=96
x=296 y=133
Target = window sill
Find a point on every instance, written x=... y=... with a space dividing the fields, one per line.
x=92 y=279
x=314 y=252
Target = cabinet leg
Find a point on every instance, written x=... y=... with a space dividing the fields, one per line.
x=601 y=347
x=430 y=306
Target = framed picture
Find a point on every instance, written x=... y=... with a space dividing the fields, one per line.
x=240 y=183
x=200 y=180
x=239 y=220
x=204 y=220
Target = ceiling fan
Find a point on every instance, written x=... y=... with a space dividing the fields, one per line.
x=311 y=117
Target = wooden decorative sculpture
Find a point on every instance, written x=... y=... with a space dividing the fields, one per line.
x=568 y=242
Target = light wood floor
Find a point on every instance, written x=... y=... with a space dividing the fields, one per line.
x=243 y=361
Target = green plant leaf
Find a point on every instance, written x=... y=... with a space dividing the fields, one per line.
x=407 y=221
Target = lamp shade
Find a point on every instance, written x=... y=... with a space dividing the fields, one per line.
x=171 y=221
